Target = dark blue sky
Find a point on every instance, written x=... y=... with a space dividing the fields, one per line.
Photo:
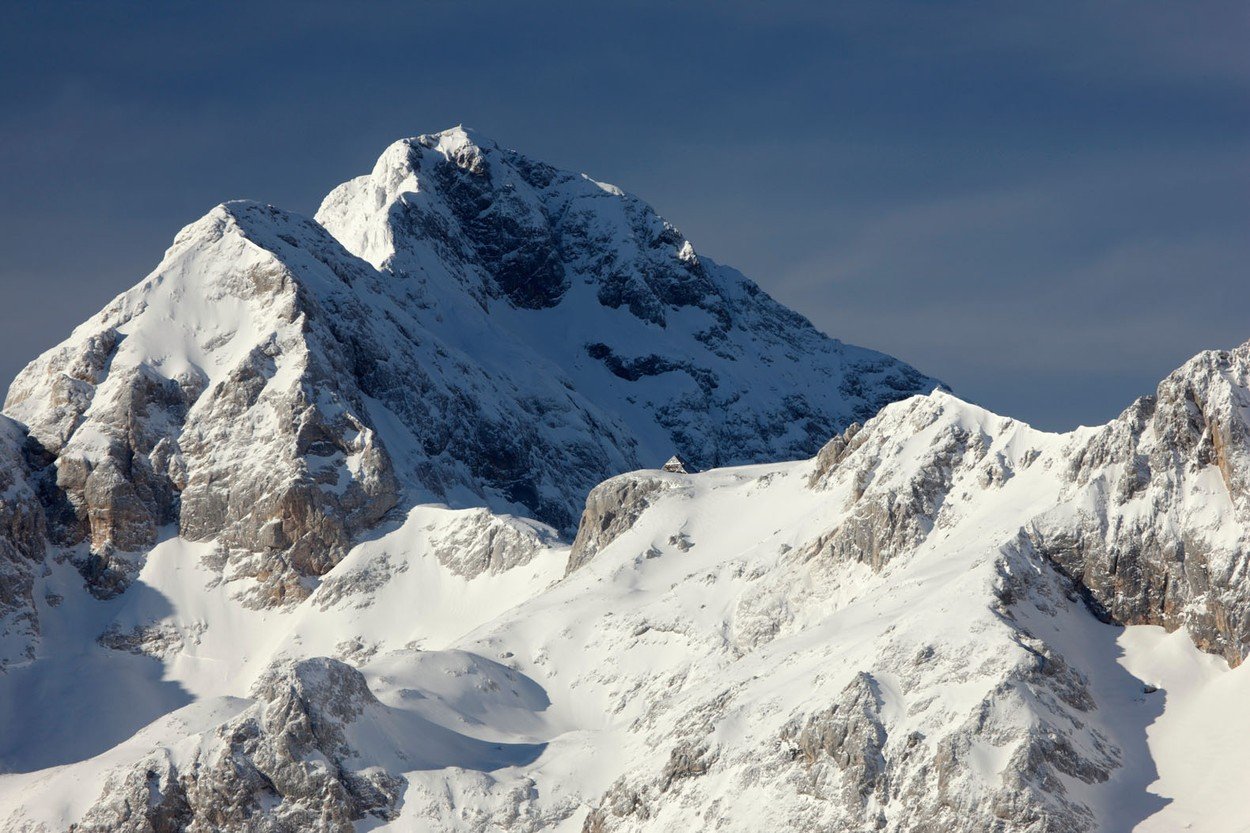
x=1046 y=205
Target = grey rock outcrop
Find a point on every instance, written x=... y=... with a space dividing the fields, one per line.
x=612 y=508
x=1162 y=501
x=891 y=510
x=481 y=542
x=22 y=546
x=849 y=738
x=274 y=457
x=281 y=766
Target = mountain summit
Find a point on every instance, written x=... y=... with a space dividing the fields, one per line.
x=462 y=325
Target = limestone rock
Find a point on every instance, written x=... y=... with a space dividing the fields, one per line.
x=891 y=510
x=480 y=542
x=611 y=509
x=233 y=422
x=1163 y=525
x=281 y=765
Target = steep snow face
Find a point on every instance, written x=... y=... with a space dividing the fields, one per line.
x=869 y=639
x=577 y=275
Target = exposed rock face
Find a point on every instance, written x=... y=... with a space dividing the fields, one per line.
x=158 y=641
x=484 y=543
x=849 y=737
x=213 y=395
x=281 y=765
x=22 y=543
x=1149 y=515
x=831 y=453
x=1155 y=524
x=893 y=509
x=104 y=488
x=611 y=509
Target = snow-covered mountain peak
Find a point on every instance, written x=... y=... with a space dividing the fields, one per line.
x=461 y=145
x=319 y=481
x=513 y=218
x=241 y=276
x=214 y=394
x=463 y=325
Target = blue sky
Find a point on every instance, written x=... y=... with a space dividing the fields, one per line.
x=1049 y=208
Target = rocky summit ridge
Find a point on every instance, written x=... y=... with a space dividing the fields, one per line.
x=359 y=523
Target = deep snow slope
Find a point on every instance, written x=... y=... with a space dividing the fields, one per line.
x=879 y=637
x=506 y=335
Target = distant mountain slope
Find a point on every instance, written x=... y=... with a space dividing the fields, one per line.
x=517 y=335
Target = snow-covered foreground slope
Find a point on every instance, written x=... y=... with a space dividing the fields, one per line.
x=881 y=637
